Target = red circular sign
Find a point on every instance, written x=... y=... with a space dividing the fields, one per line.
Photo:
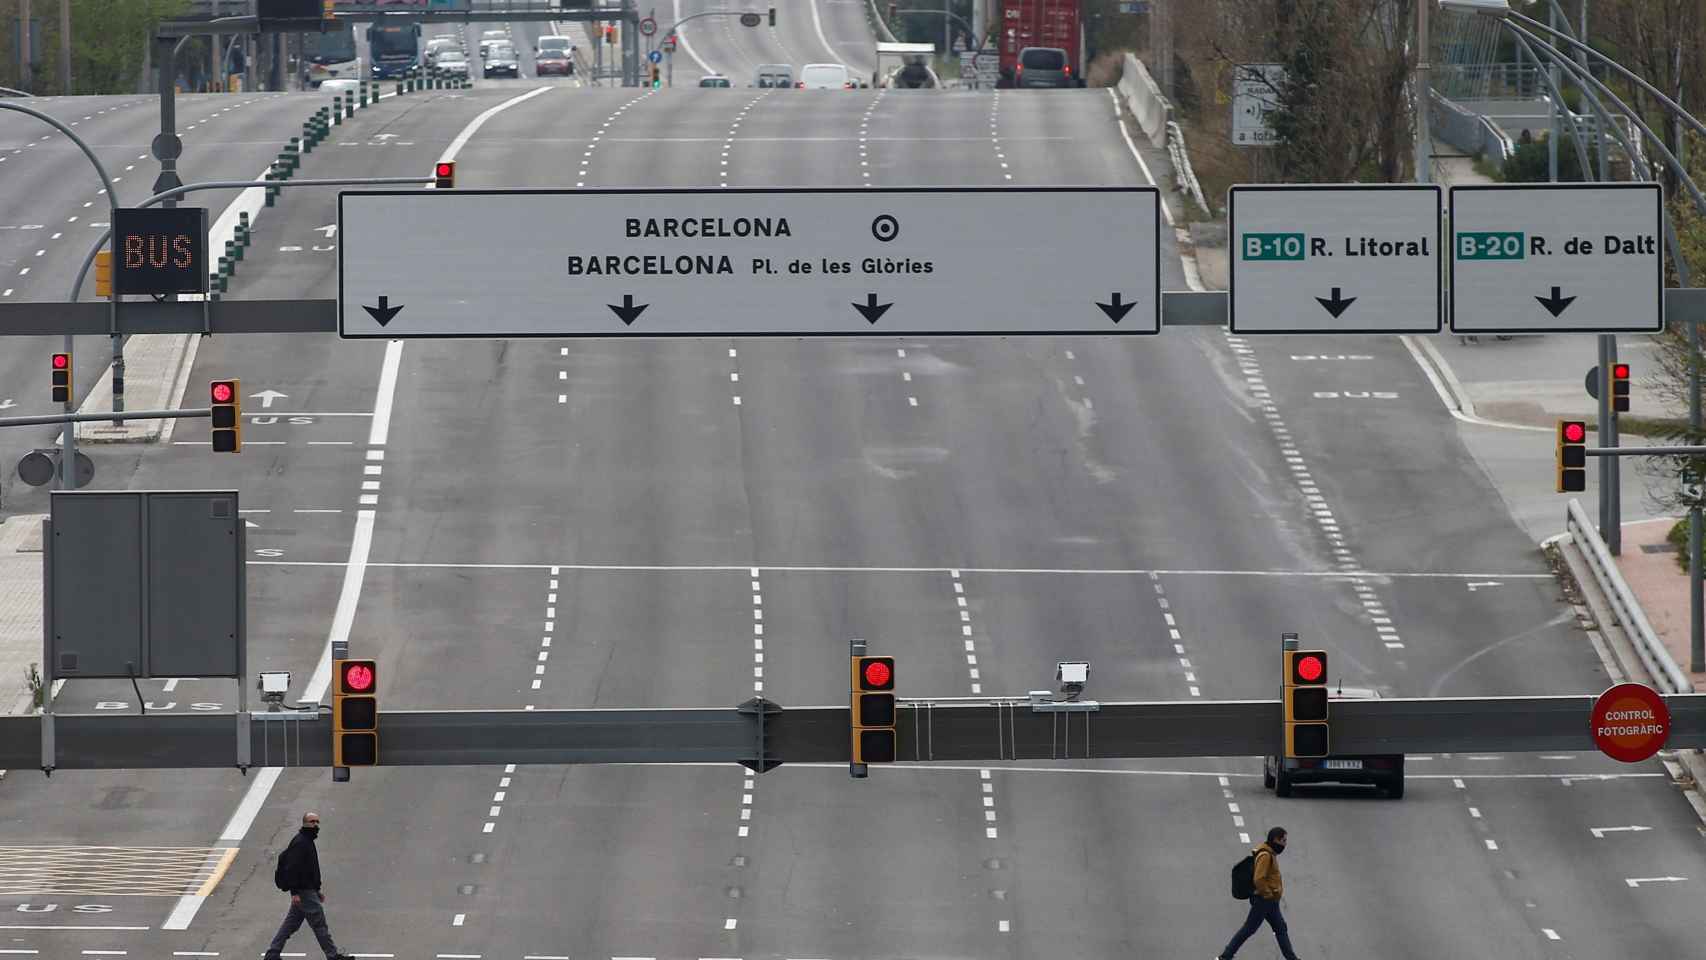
x=1309 y=668
x=1630 y=722
x=877 y=673
x=358 y=677
x=1575 y=432
x=61 y=361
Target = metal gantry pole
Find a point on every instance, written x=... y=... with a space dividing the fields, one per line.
x=1424 y=97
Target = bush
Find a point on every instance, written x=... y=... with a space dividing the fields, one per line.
x=1678 y=538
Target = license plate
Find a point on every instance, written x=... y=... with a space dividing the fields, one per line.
x=1343 y=765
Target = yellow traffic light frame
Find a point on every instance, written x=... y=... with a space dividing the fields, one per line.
x=1570 y=458
x=1305 y=707
x=872 y=742
x=226 y=418
x=60 y=378
x=355 y=718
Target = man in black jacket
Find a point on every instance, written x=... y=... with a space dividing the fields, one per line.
x=299 y=873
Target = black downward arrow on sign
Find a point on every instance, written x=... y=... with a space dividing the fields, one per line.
x=628 y=312
x=1337 y=304
x=1117 y=310
x=871 y=310
x=1556 y=303
x=383 y=313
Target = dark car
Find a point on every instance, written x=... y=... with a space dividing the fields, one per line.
x=501 y=60
x=1385 y=771
x=1044 y=67
x=553 y=63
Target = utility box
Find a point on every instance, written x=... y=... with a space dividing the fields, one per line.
x=144 y=584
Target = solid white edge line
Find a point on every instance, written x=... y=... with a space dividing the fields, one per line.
x=681 y=38
x=1132 y=146
x=1454 y=401
x=361 y=544
x=380 y=430
x=817 y=24
x=1355 y=576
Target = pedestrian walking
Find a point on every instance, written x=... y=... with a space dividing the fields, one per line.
x=1265 y=892
x=298 y=874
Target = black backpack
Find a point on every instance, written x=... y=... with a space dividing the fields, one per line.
x=1244 y=878
x=279 y=879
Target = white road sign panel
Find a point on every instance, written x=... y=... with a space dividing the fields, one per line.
x=1335 y=259
x=749 y=262
x=1255 y=95
x=1557 y=258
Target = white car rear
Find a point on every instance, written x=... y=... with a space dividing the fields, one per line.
x=825 y=76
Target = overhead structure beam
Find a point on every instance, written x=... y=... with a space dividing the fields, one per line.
x=980 y=730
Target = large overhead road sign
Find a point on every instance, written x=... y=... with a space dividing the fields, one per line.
x=1335 y=259
x=750 y=262
x=1557 y=258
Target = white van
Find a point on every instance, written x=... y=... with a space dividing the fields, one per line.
x=825 y=76
x=560 y=44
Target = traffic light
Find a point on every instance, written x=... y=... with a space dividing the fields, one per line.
x=1573 y=455
x=1620 y=387
x=654 y=78
x=1306 y=703
x=772 y=16
x=444 y=175
x=609 y=34
x=873 y=712
x=61 y=378
x=894 y=9
x=225 y=399
x=355 y=713
x=104 y=273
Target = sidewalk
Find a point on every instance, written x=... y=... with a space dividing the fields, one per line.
x=1649 y=565
x=20 y=609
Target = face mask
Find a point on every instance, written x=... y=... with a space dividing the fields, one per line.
x=1278 y=846
x=312 y=831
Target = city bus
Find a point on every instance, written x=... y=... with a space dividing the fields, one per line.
x=329 y=55
x=395 y=48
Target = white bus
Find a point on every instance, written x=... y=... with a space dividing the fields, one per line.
x=329 y=56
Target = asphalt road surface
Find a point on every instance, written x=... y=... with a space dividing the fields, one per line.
x=608 y=523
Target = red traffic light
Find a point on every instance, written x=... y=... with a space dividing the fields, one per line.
x=222 y=392
x=358 y=677
x=1575 y=431
x=61 y=361
x=1310 y=668
x=444 y=169
x=1620 y=371
x=878 y=674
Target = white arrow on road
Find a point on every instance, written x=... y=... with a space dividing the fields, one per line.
x=8 y=403
x=1473 y=585
x=330 y=230
x=1600 y=832
x=1637 y=881
x=267 y=397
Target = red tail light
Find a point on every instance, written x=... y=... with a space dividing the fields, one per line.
x=1068 y=70
x=801 y=85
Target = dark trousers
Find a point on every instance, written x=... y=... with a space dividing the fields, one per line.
x=311 y=910
x=1260 y=910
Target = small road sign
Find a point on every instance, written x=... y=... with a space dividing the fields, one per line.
x=1557 y=258
x=654 y=56
x=1335 y=259
x=752 y=262
x=1255 y=95
x=648 y=26
x=1630 y=722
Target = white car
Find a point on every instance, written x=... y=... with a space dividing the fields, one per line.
x=563 y=44
x=438 y=45
x=490 y=37
x=826 y=76
x=453 y=62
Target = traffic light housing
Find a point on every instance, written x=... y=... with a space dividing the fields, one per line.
x=61 y=377
x=873 y=711
x=772 y=16
x=1620 y=387
x=225 y=400
x=656 y=82
x=1572 y=457
x=355 y=713
x=444 y=175
x=104 y=273
x=609 y=34
x=1306 y=733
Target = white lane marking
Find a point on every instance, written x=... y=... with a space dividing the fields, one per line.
x=49 y=926
x=681 y=37
x=1446 y=395
x=1551 y=934
x=817 y=24
x=170 y=685
x=380 y=430
x=1165 y=212
x=456 y=921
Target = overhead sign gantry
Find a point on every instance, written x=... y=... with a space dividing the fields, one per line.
x=750 y=262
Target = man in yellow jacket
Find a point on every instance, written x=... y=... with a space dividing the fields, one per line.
x=1265 y=901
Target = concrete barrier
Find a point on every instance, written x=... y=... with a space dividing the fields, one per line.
x=1143 y=97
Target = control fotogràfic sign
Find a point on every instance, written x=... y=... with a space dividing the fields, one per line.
x=160 y=251
x=1557 y=258
x=1335 y=259
x=750 y=262
x=1630 y=722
